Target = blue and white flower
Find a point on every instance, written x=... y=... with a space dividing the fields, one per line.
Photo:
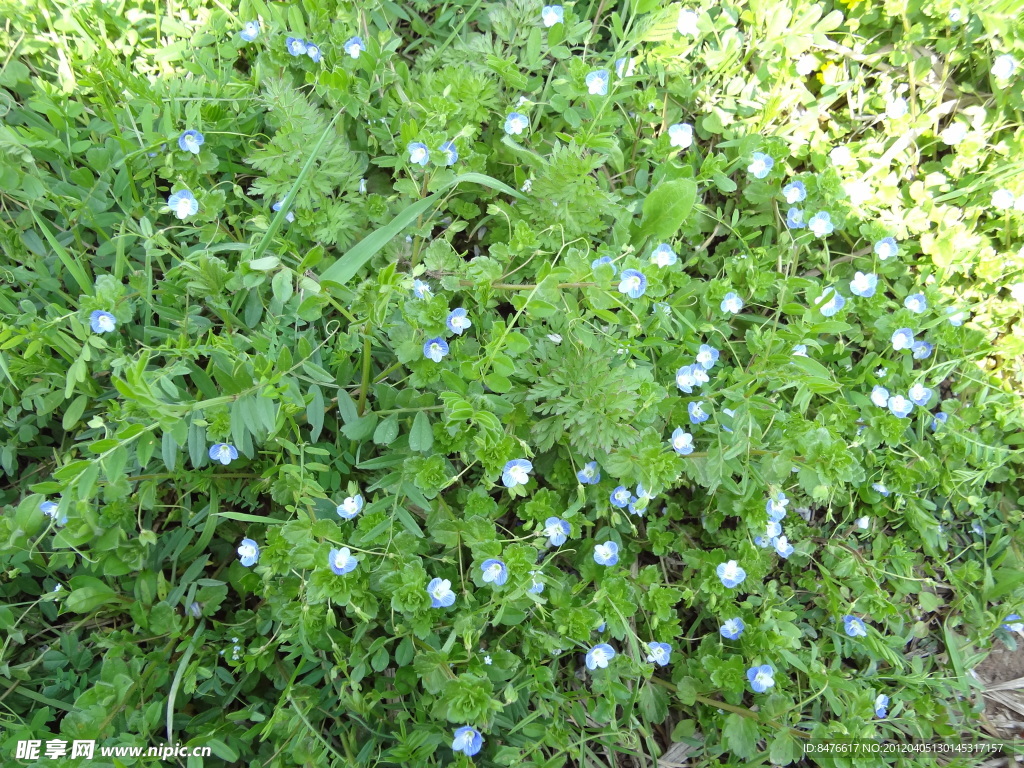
x=1013 y=623
x=761 y=678
x=296 y=46
x=313 y=51
x=625 y=67
x=782 y=547
x=682 y=442
x=902 y=338
x=516 y=472
x=350 y=507
x=854 y=627
x=440 y=591
x=916 y=303
x=938 y=420
x=421 y=290
x=590 y=474
x=604 y=260
x=881 y=706
x=467 y=740
x=659 y=653
x=102 y=322
x=663 y=256
x=895 y=108
x=820 y=224
x=833 y=302
x=697 y=414
x=731 y=303
x=800 y=350
x=354 y=46
x=607 y=553
x=633 y=283
x=1002 y=199
x=760 y=165
x=900 y=406
x=557 y=530
x=686 y=24
x=250 y=31
x=730 y=574
x=1003 y=67
x=795 y=219
x=921 y=349
x=732 y=628
x=920 y=394
x=183 y=203
x=516 y=123
x=225 y=453
x=886 y=248
x=451 y=155
x=50 y=509
x=342 y=561
x=680 y=135
x=248 y=552
x=536 y=585
x=494 y=571
x=419 y=154
x=707 y=356
x=956 y=316
x=864 y=285
x=881 y=488
x=776 y=505
x=435 y=349
x=597 y=82
x=458 y=321
x=289 y=217
x=880 y=396
x=190 y=141
x=551 y=15
x=599 y=656
x=794 y=192
x=621 y=497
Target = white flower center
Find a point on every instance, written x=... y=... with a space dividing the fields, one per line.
x=764 y=679
x=184 y=207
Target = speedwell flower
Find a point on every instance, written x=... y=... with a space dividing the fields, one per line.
x=1003 y=67
x=604 y=260
x=190 y=141
x=289 y=217
x=313 y=51
x=920 y=394
x=183 y=203
x=248 y=552
x=250 y=31
x=225 y=453
x=516 y=123
x=350 y=507
x=633 y=283
x=551 y=15
x=590 y=474
x=834 y=302
x=49 y=508
x=707 y=356
x=342 y=561
x=938 y=420
x=457 y=321
x=467 y=740
x=896 y=108
x=450 y=153
x=557 y=530
x=953 y=134
x=418 y=153
x=296 y=46
x=886 y=248
x=880 y=487
x=625 y=67
x=782 y=547
x=680 y=135
x=902 y=338
x=435 y=349
x=921 y=349
x=607 y=553
x=800 y=350
x=732 y=628
x=773 y=530
x=854 y=627
x=880 y=396
x=956 y=316
x=421 y=290
x=795 y=219
x=760 y=165
x=690 y=376
x=1002 y=199
x=664 y=256
x=916 y=303
x=659 y=653
x=620 y=497
x=1013 y=623
x=731 y=303
x=794 y=192
x=881 y=704
x=900 y=406
x=776 y=505
x=687 y=23
x=536 y=585
x=516 y=472
x=697 y=414
x=761 y=678
x=599 y=656
x=682 y=442
x=102 y=322
x=354 y=46
x=440 y=591
x=494 y=571
x=821 y=224
x=730 y=574
x=597 y=82
x=864 y=285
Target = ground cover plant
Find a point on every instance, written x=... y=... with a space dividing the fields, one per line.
x=509 y=384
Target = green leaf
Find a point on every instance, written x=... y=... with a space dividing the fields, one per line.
x=386 y=431
x=785 y=749
x=87 y=594
x=315 y=413
x=654 y=703
x=740 y=735
x=667 y=207
x=421 y=437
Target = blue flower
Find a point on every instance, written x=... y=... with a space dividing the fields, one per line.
x=663 y=256
x=864 y=285
x=800 y=350
x=102 y=322
x=920 y=394
x=956 y=316
x=886 y=248
x=607 y=553
x=880 y=396
x=420 y=289
x=938 y=420
x=680 y=135
x=183 y=203
x=659 y=653
x=458 y=321
x=440 y=591
x=881 y=704
x=854 y=627
x=250 y=31
x=730 y=574
x=620 y=497
x=732 y=628
x=880 y=487
x=354 y=46
x=762 y=541
x=599 y=656
x=1015 y=626
x=435 y=349
x=921 y=349
x=590 y=474
x=604 y=260
x=313 y=51
x=537 y=586
x=494 y=571
x=625 y=67
x=350 y=507
x=633 y=283
x=731 y=303
x=833 y=304
x=682 y=442
x=225 y=453
x=916 y=303
x=776 y=505
x=516 y=123
x=289 y=217
x=190 y=141
x=773 y=529
x=49 y=508
x=795 y=219
x=551 y=15
x=450 y=153
x=902 y=338
x=296 y=46
x=821 y=224
x=761 y=165
x=602 y=626
x=690 y=376
x=248 y=552
x=707 y=356
x=597 y=82
x=467 y=740
x=782 y=547
x=794 y=192
x=900 y=406
x=516 y=472
x=761 y=678
x=697 y=415
x=557 y=531
x=342 y=561
x=418 y=153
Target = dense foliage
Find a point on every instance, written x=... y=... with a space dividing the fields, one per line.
x=417 y=384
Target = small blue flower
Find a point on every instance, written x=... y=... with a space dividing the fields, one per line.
x=902 y=338
x=633 y=283
x=250 y=31
x=354 y=46
x=102 y=322
x=296 y=46
x=557 y=530
x=602 y=626
x=731 y=303
x=880 y=487
x=680 y=135
x=732 y=628
x=938 y=420
x=625 y=67
x=418 y=153
x=467 y=740
x=604 y=260
x=782 y=547
x=289 y=217
x=800 y=350
x=776 y=505
x=707 y=356
x=607 y=553
x=1013 y=623
x=762 y=541
x=313 y=51
x=551 y=15
x=881 y=705
x=440 y=591
x=183 y=203
x=350 y=507
x=599 y=656
x=916 y=303
x=854 y=627
x=834 y=302
x=620 y=497
x=697 y=414
x=921 y=349
x=920 y=394
x=820 y=224
x=590 y=474
x=900 y=406
x=886 y=248
x=730 y=574
x=536 y=586
x=516 y=472
x=761 y=165
x=682 y=442
x=421 y=290
x=435 y=349
x=248 y=552
x=880 y=396
x=597 y=82
x=663 y=256
x=773 y=530
x=761 y=678
x=190 y=141
x=516 y=123
x=795 y=219
x=956 y=316
x=864 y=285
x=225 y=453
x=494 y=571
x=659 y=653
x=49 y=508
x=690 y=376
x=450 y=153
x=458 y=321
x=794 y=192
x=342 y=561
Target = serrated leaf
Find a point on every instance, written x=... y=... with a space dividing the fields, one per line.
x=740 y=735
